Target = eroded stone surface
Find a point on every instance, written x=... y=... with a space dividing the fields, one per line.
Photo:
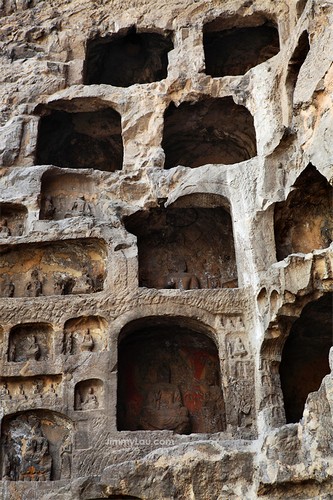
x=165 y=228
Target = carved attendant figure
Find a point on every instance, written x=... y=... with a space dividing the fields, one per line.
x=4 y=392
x=68 y=343
x=66 y=458
x=211 y=417
x=87 y=342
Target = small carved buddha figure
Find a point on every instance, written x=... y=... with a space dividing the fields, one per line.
x=34 y=288
x=87 y=342
x=37 y=389
x=31 y=348
x=21 y=395
x=90 y=402
x=4 y=229
x=178 y=277
x=238 y=348
x=4 y=392
x=163 y=408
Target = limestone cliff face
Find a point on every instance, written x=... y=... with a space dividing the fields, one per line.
x=166 y=228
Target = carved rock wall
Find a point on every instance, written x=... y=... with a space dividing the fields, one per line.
x=166 y=249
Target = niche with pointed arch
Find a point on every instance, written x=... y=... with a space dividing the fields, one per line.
x=81 y=140
x=304 y=360
x=304 y=222
x=36 y=446
x=127 y=57
x=169 y=378
x=235 y=45
x=213 y=130
x=188 y=245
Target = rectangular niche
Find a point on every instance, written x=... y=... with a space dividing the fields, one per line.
x=12 y=219
x=27 y=392
x=53 y=268
x=81 y=140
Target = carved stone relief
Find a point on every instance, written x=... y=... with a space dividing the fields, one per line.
x=272 y=398
x=36 y=446
x=175 y=384
x=185 y=248
x=12 y=220
x=57 y=268
x=66 y=195
x=21 y=393
x=30 y=342
x=84 y=334
x=240 y=366
x=89 y=395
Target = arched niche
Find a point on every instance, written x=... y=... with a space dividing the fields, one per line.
x=36 y=446
x=233 y=46
x=213 y=130
x=188 y=245
x=304 y=222
x=89 y=395
x=30 y=342
x=304 y=360
x=12 y=219
x=65 y=195
x=81 y=140
x=168 y=378
x=53 y=268
x=84 y=334
x=127 y=58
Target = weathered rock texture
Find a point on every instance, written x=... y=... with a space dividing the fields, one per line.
x=166 y=249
